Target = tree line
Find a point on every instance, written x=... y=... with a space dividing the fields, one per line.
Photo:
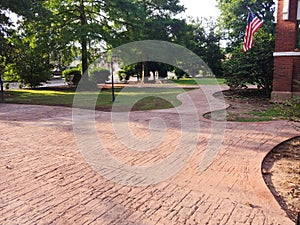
x=52 y=33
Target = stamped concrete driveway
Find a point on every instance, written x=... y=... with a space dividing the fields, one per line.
x=48 y=176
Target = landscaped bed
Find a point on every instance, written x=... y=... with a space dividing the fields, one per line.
x=281 y=171
x=248 y=105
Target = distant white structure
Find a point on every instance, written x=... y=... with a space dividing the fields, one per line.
x=171 y=75
x=75 y=62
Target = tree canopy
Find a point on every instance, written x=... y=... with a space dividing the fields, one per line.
x=256 y=65
x=234 y=14
x=89 y=23
x=52 y=33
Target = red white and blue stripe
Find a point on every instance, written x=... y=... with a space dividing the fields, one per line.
x=253 y=24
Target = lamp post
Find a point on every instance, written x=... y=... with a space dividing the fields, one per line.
x=1 y=89
x=114 y=59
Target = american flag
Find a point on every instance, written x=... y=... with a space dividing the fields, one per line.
x=253 y=24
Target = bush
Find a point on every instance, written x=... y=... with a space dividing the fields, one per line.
x=127 y=71
x=99 y=75
x=253 y=67
x=30 y=66
x=291 y=109
x=123 y=76
x=72 y=76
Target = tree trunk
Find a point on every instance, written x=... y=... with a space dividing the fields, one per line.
x=2 y=90
x=84 y=59
x=143 y=72
x=84 y=51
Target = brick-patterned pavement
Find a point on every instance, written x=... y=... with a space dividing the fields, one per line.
x=46 y=180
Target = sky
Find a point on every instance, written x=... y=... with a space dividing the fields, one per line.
x=200 y=8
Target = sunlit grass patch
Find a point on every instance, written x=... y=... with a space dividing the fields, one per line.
x=138 y=98
x=199 y=81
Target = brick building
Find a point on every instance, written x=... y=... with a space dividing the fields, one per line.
x=286 y=81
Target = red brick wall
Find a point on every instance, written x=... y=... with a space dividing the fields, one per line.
x=286 y=32
x=296 y=75
x=286 y=68
x=283 y=70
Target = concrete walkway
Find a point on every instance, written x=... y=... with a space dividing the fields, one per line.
x=46 y=179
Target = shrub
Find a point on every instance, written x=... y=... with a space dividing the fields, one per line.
x=30 y=65
x=123 y=76
x=291 y=109
x=72 y=76
x=127 y=71
x=253 y=67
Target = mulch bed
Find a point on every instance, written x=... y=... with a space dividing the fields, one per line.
x=281 y=172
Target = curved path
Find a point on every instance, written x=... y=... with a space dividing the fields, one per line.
x=46 y=180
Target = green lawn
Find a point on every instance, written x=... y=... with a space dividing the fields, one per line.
x=268 y=114
x=199 y=81
x=139 y=98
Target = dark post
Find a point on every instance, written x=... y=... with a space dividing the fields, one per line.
x=114 y=59
x=298 y=219
x=112 y=80
x=2 y=90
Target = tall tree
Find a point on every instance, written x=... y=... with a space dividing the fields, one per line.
x=24 y=8
x=89 y=23
x=27 y=9
x=234 y=16
x=20 y=58
x=30 y=53
x=256 y=65
x=204 y=39
x=156 y=21
x=253 y=67
x=31 y=62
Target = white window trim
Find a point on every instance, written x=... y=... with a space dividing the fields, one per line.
x=276 y=10
x=298 y=10
x=286 y=9
x=286 y=54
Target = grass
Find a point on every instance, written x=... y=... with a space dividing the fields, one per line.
x=268 y=114
x=199 y=81
x=278 y=112
x=40 y=97
x=138 y=98
x=253 y=105
x=254 y=119
x=133 y=98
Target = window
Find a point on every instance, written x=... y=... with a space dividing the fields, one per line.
x=298 y=10
x=298 y=35
x=298 y=26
